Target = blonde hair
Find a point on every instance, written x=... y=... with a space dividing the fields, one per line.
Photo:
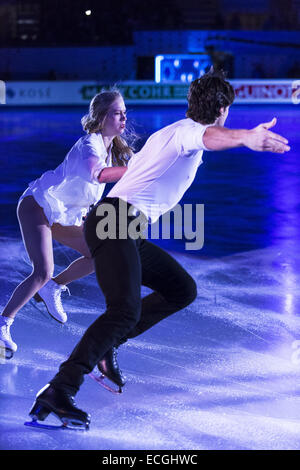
x=93 y=122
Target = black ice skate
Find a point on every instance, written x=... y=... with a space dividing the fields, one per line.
x=108 y=368
x=62 y=405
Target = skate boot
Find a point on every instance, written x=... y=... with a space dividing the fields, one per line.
x=62 y=405
x=108 y=368
x=7 y=346
x=50 y=294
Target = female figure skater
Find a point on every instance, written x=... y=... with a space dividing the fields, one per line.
x=54 y=205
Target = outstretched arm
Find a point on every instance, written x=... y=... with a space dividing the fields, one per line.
x=111 y=174
x=259 y=139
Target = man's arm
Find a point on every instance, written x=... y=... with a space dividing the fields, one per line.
x=111 y=174
x=259 y=139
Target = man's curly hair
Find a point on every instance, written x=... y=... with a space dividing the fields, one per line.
x=207 y=95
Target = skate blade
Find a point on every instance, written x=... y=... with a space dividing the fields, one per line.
x=36 y=424
x=101 y=381
x=66 y=424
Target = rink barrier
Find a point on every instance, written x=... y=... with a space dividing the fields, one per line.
x=74 y=93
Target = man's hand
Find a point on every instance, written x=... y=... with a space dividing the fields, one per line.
x=260 y=139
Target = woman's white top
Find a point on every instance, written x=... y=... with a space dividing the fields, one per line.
x=66 y=193
x=160 y=173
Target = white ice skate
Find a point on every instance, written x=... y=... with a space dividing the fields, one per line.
x=50 y=294
x=7 y=346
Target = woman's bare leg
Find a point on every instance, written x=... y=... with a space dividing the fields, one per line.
x=73 y=237
x=37 y=239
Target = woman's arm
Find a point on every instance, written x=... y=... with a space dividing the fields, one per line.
x=259 y=139
x=111 y=174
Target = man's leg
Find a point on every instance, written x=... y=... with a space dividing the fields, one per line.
x=174 y=289
x=118 y=271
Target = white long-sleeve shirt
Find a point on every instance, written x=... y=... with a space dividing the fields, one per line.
x=66 y=193
x=160 y=173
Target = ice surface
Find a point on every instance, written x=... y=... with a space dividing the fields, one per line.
x=221 y=374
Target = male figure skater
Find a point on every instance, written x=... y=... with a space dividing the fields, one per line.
x=156 y=179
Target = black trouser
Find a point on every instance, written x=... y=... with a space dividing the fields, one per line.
x=122 y=266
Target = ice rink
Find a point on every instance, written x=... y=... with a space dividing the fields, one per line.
x=221 y=374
